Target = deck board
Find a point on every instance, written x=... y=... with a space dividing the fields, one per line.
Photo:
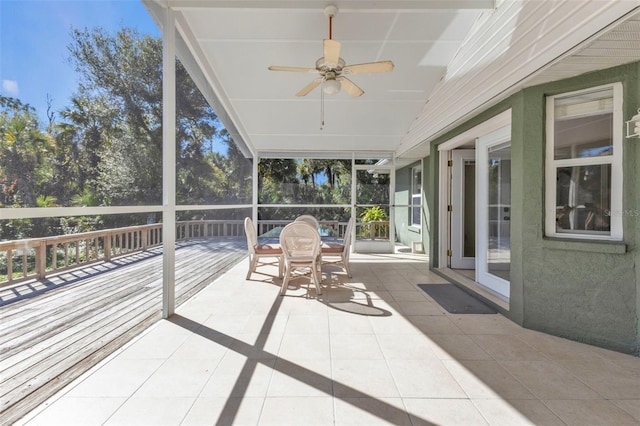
x=52 y=331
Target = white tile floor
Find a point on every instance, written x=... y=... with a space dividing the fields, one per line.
x=373 y=349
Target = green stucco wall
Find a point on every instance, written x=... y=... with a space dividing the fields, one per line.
x=426 y=210
x=585 y=291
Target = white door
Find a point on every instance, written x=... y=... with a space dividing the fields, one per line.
x=463 y=221
x=493 y=211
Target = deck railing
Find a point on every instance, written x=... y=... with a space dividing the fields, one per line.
x=375 y=230
x=36 y=258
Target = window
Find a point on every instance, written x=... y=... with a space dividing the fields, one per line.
x=416 y=195
x=584 y=164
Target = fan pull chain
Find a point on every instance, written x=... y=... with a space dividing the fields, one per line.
x=321 y=108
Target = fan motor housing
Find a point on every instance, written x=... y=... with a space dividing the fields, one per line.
x=323 y=67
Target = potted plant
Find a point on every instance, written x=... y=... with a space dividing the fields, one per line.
x=376 y=216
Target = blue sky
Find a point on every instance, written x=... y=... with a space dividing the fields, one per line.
x=34 y=35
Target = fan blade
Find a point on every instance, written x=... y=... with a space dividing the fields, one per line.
x=309 y=87
x=331 y=51
x=350 y=87
x=293 y=69
x=371 y=67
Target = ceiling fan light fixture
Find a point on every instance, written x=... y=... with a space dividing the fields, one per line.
x=332 y=69
x=331 y=86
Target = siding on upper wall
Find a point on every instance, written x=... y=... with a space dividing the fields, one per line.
x=504 y=49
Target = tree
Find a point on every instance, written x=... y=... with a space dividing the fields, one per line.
x=26 y=167
x=107 y=148
x=117 y=119
x=304 y=181
x=116 y=115
x=25 y=154
x=275 y=176
x=237 y=170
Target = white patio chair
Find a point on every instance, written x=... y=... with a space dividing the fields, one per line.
x=308 y=219
x=260 y=251
x=300 y=244
x=331 y=251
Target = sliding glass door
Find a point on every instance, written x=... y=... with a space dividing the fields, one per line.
x=493 y=260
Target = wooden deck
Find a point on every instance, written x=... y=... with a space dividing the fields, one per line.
x=52 y=331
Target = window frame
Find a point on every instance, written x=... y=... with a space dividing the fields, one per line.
x=614 y=160
x=416 y=197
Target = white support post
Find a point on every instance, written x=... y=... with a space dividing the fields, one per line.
x=354 y=184
x=392 y=203
x=254 y=197
x=168 y=164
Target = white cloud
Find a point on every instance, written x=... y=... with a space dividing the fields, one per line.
x=10 y=87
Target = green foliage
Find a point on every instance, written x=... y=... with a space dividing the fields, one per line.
x=107 y=147
x=78 y=224
x=116 y=115
x=85 y=198
x=25 y=154
x=373 y=214
x=16 y=229
x=305 y=181
x=46 y=201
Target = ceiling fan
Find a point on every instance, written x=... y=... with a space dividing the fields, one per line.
x=333 y=69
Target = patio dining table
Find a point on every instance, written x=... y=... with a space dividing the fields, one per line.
x=330 y=242
x=327 y=233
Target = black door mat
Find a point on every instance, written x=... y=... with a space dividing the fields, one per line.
x=456 y=300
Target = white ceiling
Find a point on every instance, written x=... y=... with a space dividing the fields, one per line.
x=236 y=41
x=233 y=42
